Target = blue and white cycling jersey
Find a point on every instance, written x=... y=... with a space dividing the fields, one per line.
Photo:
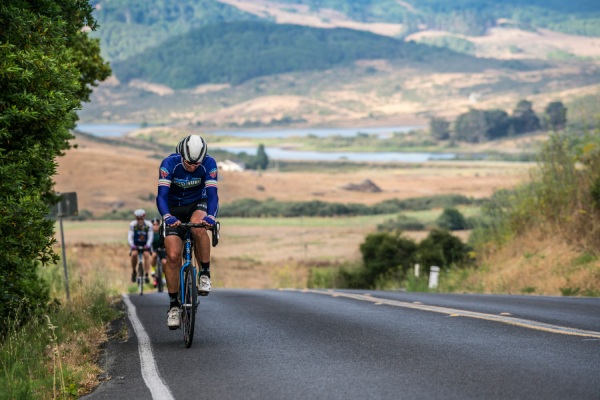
x=140 y=235
x=178 y=187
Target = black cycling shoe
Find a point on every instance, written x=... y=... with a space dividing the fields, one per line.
x=133 y=276
x=146 y=279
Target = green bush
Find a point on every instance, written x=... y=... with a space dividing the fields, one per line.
x=452 y=219
x=401 y=223
x=47 y=63
x=442 y=249
x=559 y=199
x=384 y=253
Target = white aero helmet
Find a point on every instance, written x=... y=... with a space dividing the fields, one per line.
x=193 y=149
x=140 y=212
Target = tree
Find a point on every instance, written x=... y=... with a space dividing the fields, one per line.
x=555 y=116
x=439 y=128
x=524 y=118
x=452 y=219
x=47 y=63
x=498 y=124
x=262 y=159
x=471 y=126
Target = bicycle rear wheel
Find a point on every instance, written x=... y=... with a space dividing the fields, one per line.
x=159 y=275
x=141 y=277
x=188 y=309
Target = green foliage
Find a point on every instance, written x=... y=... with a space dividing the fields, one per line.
x=477 y=126
x=31 y=353
x=439 y=128
x=236 y=52
x=388 y=258
x=315 y=208
x=383 y=253
x=524 y=119
x=442 y=249
x=452 y=219
x=559 y=199
x=401 y=223
x=555 y=116
x=260 y=161
x=454 y=43
x=470 y=126
x=46 y=66
x=131 y=26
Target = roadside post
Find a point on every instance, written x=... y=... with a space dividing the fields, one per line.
x=434 y=273
x=66 y=207
x=417 y=268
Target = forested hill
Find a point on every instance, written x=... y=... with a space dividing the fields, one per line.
x=235 y=52
x=127 y=27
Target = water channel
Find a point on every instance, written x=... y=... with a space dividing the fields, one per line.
x=276 y=153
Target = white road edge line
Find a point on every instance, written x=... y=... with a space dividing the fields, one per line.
x=158 y=389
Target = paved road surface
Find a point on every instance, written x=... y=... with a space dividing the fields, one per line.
x=360 y=345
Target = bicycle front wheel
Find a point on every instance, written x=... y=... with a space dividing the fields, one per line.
x=141 y=277
x=188 y=308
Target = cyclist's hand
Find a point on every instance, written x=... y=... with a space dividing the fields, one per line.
x=133 y=247
x=172 y=221
x=209 y=220
x=146 y=247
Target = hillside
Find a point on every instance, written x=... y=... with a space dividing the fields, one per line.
x=237 y=52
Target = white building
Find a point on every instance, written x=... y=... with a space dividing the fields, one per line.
x=229 y=165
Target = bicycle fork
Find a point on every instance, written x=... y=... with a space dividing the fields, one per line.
x=187 y=264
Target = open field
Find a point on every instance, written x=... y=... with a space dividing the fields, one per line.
x=109 y=178
x=254 y=253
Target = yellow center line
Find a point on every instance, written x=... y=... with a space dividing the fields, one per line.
x=525 y=323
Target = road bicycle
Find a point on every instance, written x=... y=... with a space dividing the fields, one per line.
x=188 y=285
x=158 y=273
x=140 y=270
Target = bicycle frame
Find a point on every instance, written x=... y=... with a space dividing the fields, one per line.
x=186 y=264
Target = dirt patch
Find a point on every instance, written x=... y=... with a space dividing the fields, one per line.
x=366 y=186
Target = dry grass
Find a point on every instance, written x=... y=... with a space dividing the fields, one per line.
x=108 y=178
x=537 y=263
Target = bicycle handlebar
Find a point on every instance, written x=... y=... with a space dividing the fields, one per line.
x=214 y=229
x=192 y=225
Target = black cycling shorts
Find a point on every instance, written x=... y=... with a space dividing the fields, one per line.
x=184 y=213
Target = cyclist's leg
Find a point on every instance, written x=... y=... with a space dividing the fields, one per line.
x=202 y=253
x=173 y=246
x=147 y=262
x=134 y=262
x=201 y=238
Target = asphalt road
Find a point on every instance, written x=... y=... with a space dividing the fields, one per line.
x=358 y=344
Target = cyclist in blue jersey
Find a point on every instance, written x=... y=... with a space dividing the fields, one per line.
x=140 y=234
x=187 y=192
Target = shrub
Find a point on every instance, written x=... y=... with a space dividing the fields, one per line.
x=443 y=249
x=384 y=252
x=452 y=219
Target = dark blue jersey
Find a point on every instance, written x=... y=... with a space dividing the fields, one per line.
x=178 y=187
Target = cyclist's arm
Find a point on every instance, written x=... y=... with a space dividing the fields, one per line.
x=164 y=184
x=130 y=236
x=150 y=234
x=212 y=194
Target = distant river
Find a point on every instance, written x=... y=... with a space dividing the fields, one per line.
x=107 y=130
x=319 y=132
x=276 y=153
x=114 y=130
